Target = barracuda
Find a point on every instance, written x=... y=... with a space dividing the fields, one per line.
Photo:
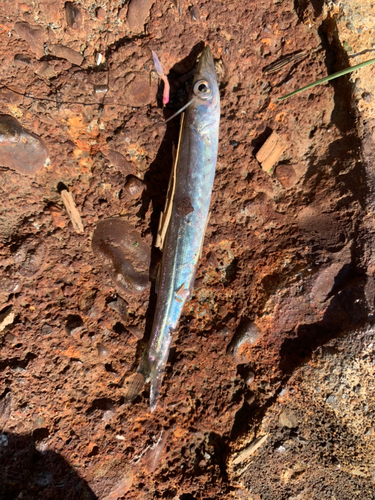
x=183 y=223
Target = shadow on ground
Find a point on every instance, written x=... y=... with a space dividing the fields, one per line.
x=30 y=474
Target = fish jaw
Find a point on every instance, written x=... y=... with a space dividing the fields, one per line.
x=206 y=70
x=203 y=115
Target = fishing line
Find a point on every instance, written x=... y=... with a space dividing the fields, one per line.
x=180 y=110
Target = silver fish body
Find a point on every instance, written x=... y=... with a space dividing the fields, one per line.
x=189 y=211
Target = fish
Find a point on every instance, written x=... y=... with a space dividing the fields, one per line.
x=182 y=224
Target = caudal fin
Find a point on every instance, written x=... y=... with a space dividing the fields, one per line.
x=150 y=369
x=157 y=376
x=133 y=386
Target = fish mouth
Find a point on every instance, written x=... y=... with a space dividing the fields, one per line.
x=206 y=66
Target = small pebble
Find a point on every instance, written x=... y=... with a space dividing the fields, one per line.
x=134 y=186
x=102 y=351
x=100 y=13
x=136 y=332
x=99 y=58
x=73 y=324
x=46 y=329
x=224 y=331
x=250 y=398
x=286 y=175
x=9 y=285
x=120 y=306
x=212 y=260
x=108 y=415
x=194 y=13
x=100 y=89
x=288 y=419
x=11 y=339
x=138 y=92
x=73 y=15
x=118 y=160
x=6 y=319
x=245 y=337
x=31 y=260
x=367 y=96
x=67 y=53
x=22 y=60
x=3 y=440
x=250 y=378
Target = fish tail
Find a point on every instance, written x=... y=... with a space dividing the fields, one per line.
x=134 y=386
x=157 y=376
x=150 y=369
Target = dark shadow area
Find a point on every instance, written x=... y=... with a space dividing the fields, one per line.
x=301 y=7
x=340 y=155
x=343 y=115
x=346 y=312
x=17 y=362
x=30 y=474
x=345 y=151
x=363 y=52
x=249 y=412
x=258 y=142
x=221 y=449
x=341 y=280
x=189 y=62
x=103 y=404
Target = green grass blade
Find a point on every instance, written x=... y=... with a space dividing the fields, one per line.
x=329 y=77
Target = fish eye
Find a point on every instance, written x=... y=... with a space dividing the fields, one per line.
x=202 y=89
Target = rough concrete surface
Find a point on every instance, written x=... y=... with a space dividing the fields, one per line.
x=269 y=389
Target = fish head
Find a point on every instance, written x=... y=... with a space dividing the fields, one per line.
x=205 y=107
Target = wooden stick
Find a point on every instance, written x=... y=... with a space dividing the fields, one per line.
x=72 y=210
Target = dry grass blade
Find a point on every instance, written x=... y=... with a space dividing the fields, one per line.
x=284 y=61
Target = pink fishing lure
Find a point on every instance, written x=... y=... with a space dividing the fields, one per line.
x=162 y=76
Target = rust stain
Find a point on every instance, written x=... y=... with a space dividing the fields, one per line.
x=86 y=139
x=72 y=352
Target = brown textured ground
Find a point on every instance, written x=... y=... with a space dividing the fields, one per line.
x=269 y=391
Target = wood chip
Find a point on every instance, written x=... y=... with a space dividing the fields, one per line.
x=6 y=319
x=270 y=152
x=252 y=448
x=73 y=213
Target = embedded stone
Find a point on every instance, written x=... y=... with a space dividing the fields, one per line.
x=20 y=150
x=138 y=12
x=33 y=35
x=124 y=255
